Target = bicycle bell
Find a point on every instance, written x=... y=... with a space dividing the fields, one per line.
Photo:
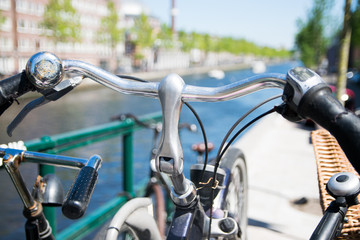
x=343 y=184
x=44 y=70
x=49 y=191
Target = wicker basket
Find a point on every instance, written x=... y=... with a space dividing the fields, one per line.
x=331 y=159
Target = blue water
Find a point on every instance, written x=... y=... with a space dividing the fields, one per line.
x=87 y=108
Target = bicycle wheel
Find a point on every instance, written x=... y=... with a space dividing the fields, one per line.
x=127 y=233
x=235 y=199
x=155 y=192
x=133 y=221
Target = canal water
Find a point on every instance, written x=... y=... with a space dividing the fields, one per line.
x=96 y=106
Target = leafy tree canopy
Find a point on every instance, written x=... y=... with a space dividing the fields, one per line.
x=109 y=31
x=2 y=18
x=311 y=40
x=166 y=36
x=61 y=19
x=145 y=37
x=143 y=33
x=207 y=43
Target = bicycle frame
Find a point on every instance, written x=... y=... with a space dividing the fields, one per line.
x=305 y=95
x=192 y=222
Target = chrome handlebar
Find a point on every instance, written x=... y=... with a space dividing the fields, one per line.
x=189 y=93
x=171 y=91
x=42 y=68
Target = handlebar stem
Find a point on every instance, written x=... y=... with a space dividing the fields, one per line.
x=170 y=157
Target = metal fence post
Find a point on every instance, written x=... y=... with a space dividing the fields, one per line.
x=128 y=163
x=83 y=137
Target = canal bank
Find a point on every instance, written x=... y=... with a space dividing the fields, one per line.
x=158 y=75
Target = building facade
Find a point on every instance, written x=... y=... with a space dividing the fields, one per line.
x=21 y=35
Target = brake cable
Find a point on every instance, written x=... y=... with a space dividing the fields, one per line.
x=222 y=151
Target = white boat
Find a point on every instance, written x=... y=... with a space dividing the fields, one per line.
x=216 y=73
x=258 y=67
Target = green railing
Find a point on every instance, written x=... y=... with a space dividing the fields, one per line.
x=75 y=139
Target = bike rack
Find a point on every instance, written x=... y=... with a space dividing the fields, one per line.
x=83 y=137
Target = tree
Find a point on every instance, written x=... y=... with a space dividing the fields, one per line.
x=2 y=18
x=311 y=40
x=143 y=32
x=186 y=41
x=166 y=36
x=109 y=31
x=61 y=19
x=208 y=43
x=142 y=36
x=344 y=52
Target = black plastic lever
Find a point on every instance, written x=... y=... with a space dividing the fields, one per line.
x=79 y=195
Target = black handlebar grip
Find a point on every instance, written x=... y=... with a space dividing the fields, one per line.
x=320 y=105
x=12 y=88
x=79 y=195
x=330 y=224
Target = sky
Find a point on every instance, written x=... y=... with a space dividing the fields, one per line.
x=270 y=23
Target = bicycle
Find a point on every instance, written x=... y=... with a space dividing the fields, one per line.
x=305 y=96
x=158 y=187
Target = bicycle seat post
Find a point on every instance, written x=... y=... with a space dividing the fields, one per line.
x=170 y=157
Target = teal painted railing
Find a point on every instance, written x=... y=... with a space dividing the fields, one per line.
x=75 y=139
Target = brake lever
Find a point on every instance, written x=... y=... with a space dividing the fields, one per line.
x=62 y=88
x=48 y=95
x=24 y=112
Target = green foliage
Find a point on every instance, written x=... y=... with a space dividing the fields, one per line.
x=227 y=44
x=109 y=32
x=61 y=19
x=186 y=41
x=311 y=40
x=2 y=19
x=144 y=36
x=142 y=31
x=166 y=36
